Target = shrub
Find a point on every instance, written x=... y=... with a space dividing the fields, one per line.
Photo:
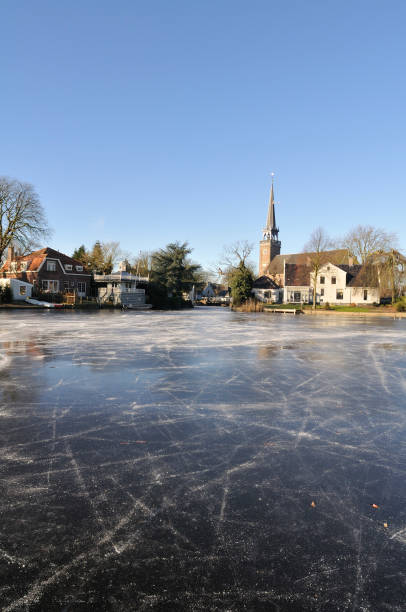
x=400 y=306
x=327 y=306
x=250 y=305
x=6 y=295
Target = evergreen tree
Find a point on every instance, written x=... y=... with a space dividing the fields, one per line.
x=241 y=284
x=81 y=254
x=173 y=271
x=96 y=258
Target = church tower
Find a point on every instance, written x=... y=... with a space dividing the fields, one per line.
x=270 y=245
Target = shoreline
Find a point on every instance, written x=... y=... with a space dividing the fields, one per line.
x=393 y=315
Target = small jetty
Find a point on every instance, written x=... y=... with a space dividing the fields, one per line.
x=293 y=311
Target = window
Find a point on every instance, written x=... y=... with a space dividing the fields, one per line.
x=51 y=266
x=13 y=266
x=51 y=286
x=365 y=294
x=79 y=268
x=72 y=283
x=68 y=266
x=321 y=291
x=322 y=280
x=340 y=294
x=23 y=266
x=81 y=287
x=296 y=296
x=333 y=280
x=23 y=290
x=66 y=285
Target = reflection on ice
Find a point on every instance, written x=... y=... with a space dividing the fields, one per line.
x=202 y=460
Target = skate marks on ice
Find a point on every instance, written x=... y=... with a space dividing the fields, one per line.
x=205 y=460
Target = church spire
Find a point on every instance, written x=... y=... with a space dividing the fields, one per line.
x=270 y=231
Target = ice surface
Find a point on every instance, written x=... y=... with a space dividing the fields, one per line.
x=202 y=460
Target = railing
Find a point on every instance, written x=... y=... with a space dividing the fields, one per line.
x=119 y=290
x=120 y=277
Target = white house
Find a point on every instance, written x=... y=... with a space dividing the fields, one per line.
x=120 y=288
x=20 y=289
x=343 y=284
x=266 y=289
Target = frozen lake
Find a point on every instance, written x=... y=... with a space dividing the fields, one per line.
x=202 y=460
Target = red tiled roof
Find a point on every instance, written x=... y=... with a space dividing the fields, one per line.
x=36 y=258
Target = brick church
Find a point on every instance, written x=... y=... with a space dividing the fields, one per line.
x=288 y=277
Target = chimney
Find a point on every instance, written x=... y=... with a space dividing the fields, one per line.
x=10 y=253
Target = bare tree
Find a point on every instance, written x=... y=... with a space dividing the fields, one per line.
x=316 y=247
x=112 y=254
x=142 y=263
x=391 y=267
x=364 y=241
x=233 y=256
x=22 y=217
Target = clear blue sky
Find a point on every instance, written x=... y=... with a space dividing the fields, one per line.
x=154 y=121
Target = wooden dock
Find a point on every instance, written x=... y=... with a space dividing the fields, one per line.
x=284 y=310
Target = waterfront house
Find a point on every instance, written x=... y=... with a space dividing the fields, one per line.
x=48 y=270
x=336 y=284
x=343 y=284
x=120 y=288
x=266 y=289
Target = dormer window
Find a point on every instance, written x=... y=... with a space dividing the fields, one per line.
x=51 y=266
x=23 y=266
x=13 y=266
x=68 y=267
x=79 y=268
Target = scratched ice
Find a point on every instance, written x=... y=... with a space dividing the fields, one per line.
x=202 y=460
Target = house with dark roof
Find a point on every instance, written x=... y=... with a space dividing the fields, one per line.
x=336 y=284
x=297 y=283
x=344 y=284
x=266 y=290
x=49 y=271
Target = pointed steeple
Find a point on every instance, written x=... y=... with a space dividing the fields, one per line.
x=270 y=230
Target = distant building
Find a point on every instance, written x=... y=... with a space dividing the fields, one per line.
x=48 y=270
x=214 y=292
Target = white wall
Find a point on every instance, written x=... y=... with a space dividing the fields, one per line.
x=273 y=295
x=328 y=291
x=20 y=289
